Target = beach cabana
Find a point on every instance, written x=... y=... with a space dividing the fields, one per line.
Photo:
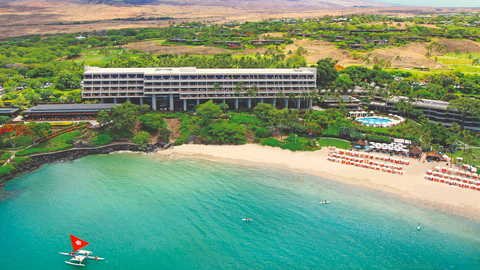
x=360 y=143
x=434 y=156
x=415 y=152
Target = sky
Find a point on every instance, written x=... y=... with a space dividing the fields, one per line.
x=436 y=3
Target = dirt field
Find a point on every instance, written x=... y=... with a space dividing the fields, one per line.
x=24 y=17
x=411 y=55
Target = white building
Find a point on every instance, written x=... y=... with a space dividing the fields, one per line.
x=182 y=88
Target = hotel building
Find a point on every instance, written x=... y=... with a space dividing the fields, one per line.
x=435 y=110
x=182 y=88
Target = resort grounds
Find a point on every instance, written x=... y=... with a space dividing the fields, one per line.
x=411 y=187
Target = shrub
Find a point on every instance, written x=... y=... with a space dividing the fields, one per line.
x=141 y=138
x=164 y=135
x=274 y=142
x=102 y=139
x=4 y=170
x=380 y=139
x=262 y=133
x=20 y=160
x=152 y=122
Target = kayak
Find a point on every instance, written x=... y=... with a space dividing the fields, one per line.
x=244 y=219
x=419 y=227
x=325 y=202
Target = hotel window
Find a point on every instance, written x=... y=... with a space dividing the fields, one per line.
x=114 y=76
x=132 y=76
x=106 y=76
x=148 y=77
x=139 y=75
x=123 y=76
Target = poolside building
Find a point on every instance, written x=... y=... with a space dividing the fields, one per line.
x=435 y=110
x=57 y=112
x=182 y=88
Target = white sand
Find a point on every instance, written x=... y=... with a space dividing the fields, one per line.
x=411 y=186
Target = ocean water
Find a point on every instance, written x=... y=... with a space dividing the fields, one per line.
x=148 y=212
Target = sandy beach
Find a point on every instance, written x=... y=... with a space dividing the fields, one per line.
x=411 y=186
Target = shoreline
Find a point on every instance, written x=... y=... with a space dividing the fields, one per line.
x=410 y=187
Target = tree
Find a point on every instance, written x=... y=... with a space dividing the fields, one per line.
x=46 y=94
x=344 y=83
x=67 y=80
x=465 y=106
x=20 y=102
x=103 y=139
x=103 y=118
x=4 y=119
x=32 y=97
x=239 y=88
x=223 y=107
x=208 y=111
x=152 y=122
x=141 y=138
x=123 y=118
x=326 y=73
x=13 y=132
x=403 y=107
x=38 y=130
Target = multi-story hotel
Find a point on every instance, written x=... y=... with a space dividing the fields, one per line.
x=182 y=88
x=435 y=110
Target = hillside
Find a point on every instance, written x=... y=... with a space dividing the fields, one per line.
x=26 y=17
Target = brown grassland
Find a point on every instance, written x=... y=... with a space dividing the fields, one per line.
x=25 y=17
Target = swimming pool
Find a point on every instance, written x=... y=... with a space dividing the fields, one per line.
x=375 y=121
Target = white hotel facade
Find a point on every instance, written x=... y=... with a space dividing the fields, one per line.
x=182 y=88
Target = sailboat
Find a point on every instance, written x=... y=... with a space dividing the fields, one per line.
x=79 y=255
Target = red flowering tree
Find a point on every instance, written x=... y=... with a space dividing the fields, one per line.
x=13 y=132
x=39 y=130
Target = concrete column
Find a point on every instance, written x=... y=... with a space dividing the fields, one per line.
x=184 y=104
x=170 y=98
x=223 y=100
x=249 y=103
x=310 y=103
x=101 y=100
x=198 y=101
x=274 y=103
x=236 y=104
x=154 y=102
x=114 y=100
x=141 y=101
x=261 y=100
x=298 y=103
x=286 y=103
x=128 y=98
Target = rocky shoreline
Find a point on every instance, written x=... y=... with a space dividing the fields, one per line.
x=75 y=153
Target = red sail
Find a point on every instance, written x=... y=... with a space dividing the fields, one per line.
x=77 y=243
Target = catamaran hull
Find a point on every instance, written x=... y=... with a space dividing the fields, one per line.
x=76 y=264
x=87 y=257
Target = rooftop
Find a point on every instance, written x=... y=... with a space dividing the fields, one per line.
x=193 y=70
x=69 y=108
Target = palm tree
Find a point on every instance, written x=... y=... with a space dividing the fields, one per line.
x=304 y=97
x=329 y=113
x=291 y=97
x=255 y=91
x=217 y=87
x=239 y=87
x=281 y=95
x=451 y=141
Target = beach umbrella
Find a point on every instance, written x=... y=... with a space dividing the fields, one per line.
x=390 y=114
x=358 y=146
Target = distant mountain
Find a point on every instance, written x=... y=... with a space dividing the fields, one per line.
x=232 y=3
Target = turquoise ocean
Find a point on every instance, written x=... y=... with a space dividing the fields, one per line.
x=149 y=212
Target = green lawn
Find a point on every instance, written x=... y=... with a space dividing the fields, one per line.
x=21 y=143
x=93 y=55
x=476 y=153
x=334 y=142
x=58 y=143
